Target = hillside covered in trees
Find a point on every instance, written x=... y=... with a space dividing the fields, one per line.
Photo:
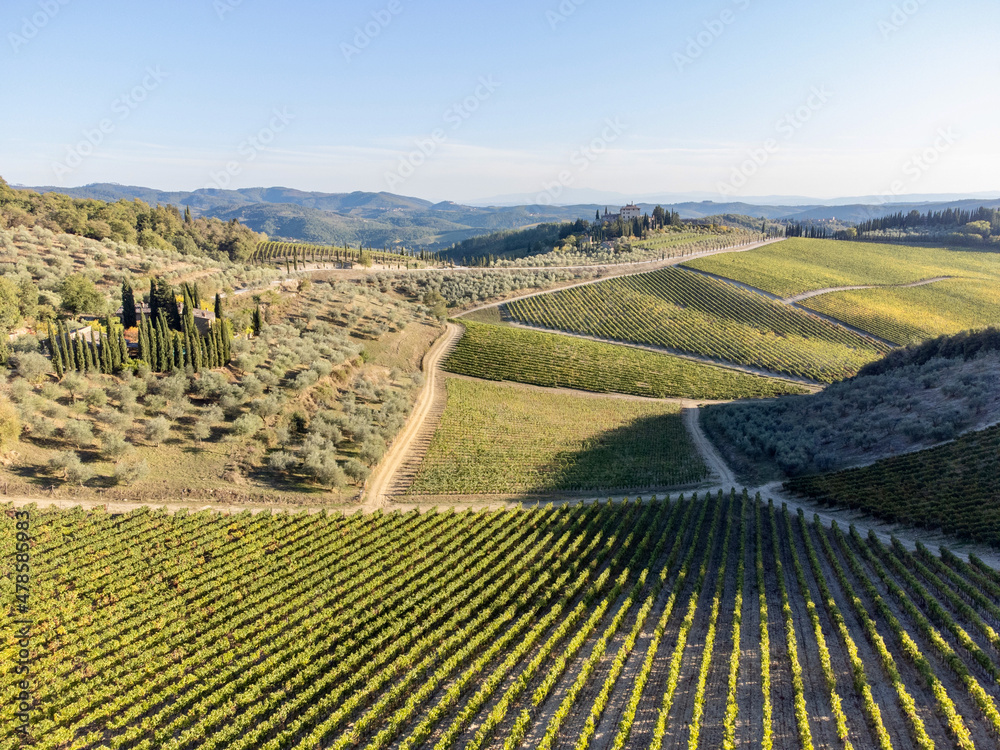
x=133 y=222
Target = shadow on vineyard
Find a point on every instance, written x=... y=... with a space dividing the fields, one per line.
x=651 y=452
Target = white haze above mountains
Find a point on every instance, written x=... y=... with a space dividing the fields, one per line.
x=577 y=196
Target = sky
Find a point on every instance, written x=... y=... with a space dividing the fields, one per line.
x=463 y=101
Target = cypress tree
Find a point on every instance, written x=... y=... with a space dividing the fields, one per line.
x=218 y=306
x=57 y=358
x=163 y=339
x=210 y=359
x=67 y=346
x=154 y=301
x=178 y=355
x=81 y=354
x=144 y=340
x=128 y=305
x=102 y=355
x=258 y=321
x=227 y=341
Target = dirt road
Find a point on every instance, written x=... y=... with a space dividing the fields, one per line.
x=828 y=290
x=707 y=451
x=381 y=480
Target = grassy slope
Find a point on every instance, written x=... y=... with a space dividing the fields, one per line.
x=952 y=487
x=909 y=315
x=799 y=265
x=502 y=439
x=688 y=312
x=506 y=353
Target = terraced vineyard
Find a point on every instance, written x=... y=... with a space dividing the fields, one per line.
x=910 y=315
x=953 y=487
x=298 y=252
x=496 y=352
x=801 y=265
x=497 y=438
x=707 y=622
x=691 y=313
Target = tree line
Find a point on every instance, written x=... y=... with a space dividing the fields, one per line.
x=168 y=338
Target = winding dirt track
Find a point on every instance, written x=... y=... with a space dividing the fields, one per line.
x=381 y=480
x=817 y=292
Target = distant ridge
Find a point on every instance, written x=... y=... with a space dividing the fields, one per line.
x=380 y=219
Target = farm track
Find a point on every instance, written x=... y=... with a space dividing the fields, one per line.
x=414 y=436
x=818 y=292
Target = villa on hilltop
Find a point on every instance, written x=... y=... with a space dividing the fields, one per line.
x=627 y=213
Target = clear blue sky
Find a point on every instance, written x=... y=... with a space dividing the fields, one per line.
x=688 y=111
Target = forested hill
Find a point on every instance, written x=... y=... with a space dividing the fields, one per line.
x=130 y=221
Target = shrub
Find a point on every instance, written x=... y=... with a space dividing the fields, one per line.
x=95 y=398
x=201 y=430
x=31 y=366
x=281 y=461
x=248 y=424
x=129 y=472
x=114 y=446
x=321 y=464
x=157 y=430
x=68 y=465
x=356 y=470
x=10 y=425
x=372 y=450
x=78 y=432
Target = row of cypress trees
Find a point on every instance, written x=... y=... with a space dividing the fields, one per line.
x=165 y=349
x=76 y=353
x=168 y=338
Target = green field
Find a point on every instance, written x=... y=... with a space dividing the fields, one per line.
x=800 y=265
x=910 y=315
x=550 y=359
x=953 y=487
x=506 y=439
x=709 y=622
x=691 y=313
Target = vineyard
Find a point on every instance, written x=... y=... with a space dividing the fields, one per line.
x=952 y=487
x=691 y=313
x=504 y=438
x=634 y=250
x=506 y=353
x=909 y=315
x=800 y=265
x=292 y=254
x=713 y=622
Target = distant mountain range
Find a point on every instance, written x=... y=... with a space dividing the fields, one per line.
x=380 y=219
